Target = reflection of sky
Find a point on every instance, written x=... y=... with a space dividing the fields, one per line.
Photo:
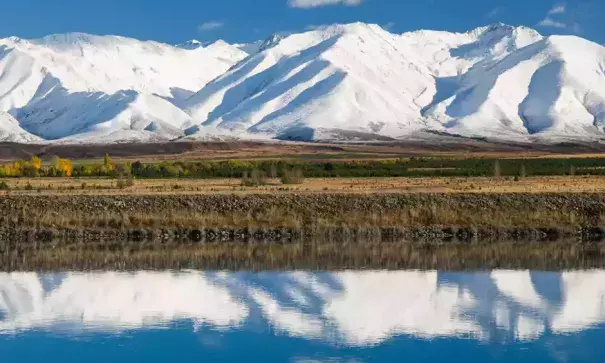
x=360 y=310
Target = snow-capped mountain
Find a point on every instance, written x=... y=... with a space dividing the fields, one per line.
x=68 y=85
x=493 y=81
x=332 y=82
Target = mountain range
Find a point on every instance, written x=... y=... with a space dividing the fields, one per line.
x=339 y=82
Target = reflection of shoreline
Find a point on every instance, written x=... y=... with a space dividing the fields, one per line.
x=332 y=254
x=358 y=308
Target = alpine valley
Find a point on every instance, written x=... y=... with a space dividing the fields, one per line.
x=340 y=82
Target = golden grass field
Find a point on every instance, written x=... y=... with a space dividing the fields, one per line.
x=104 y=186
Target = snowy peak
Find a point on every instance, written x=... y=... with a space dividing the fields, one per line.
x=191 y=44
x=495 y=28
x=341 y=73
x=270 y=42
x=497 y=40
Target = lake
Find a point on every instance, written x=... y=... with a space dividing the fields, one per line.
x=349 y=316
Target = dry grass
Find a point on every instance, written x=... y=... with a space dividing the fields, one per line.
x=426 y=212
x=101 y=186
x=422 y=215
x=166 y=219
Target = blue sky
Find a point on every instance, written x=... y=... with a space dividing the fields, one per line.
x=176 y=21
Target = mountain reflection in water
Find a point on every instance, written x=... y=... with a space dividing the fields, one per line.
x=353 y=310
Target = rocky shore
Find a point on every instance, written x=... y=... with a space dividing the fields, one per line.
x=388 y=217
x=586 y=204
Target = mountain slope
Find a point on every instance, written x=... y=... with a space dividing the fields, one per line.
x=11 y=131
x=555 y=86
x=348 y=77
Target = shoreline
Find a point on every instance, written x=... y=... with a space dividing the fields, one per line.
x=302 y=231
x=295 y=217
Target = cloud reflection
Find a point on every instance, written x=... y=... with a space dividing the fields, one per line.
x=353 y=308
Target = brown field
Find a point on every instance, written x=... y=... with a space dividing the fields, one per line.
x=442 y=146
x=105 y=186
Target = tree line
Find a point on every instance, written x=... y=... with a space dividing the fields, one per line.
x=405 y=167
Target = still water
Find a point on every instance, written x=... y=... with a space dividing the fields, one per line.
x=379 y=316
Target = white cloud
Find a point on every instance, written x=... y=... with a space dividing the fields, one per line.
x=307 y=4
x=494 y=12
x=312 y=27
x=559 y=17
x=211 y=25
x=388 y=26
x=558 y=9
x=548 y=22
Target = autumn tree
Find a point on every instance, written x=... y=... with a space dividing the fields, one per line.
x=35 y=162
x=107 y=166
x=63 y=167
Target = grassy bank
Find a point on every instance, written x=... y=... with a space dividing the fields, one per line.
x=293 y=210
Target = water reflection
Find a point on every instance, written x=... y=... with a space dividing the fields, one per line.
x=350 y=308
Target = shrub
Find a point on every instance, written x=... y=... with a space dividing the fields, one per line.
x=257 y=177
x=273 y=171
x=125 y=178
x=125 y=181
x=28 y=186
x=294 y=176
x=4 y=186
x=29 y=170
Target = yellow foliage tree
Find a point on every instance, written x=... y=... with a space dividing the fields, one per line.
x=36 y=162
x=63 y=166
x=9 y=170
x=13 y=169
x=107 y=166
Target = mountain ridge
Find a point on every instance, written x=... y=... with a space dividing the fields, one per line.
x=495 y=81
